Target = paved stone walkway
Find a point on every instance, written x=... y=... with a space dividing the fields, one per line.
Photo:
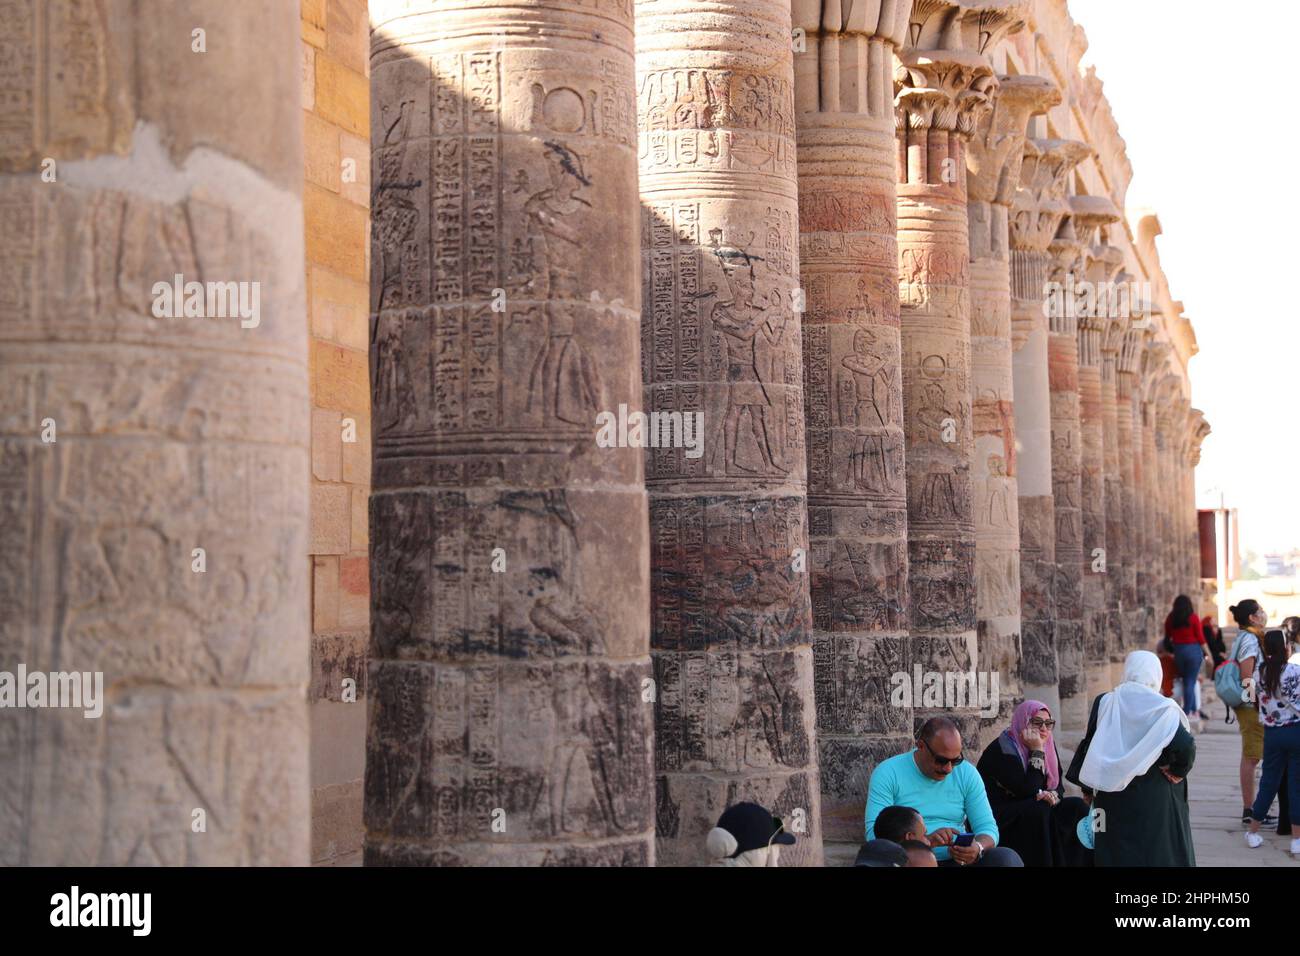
x=1214 y=795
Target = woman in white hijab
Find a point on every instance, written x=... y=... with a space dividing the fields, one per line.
x=1133 y=765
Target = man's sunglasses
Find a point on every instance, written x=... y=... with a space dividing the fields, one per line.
x=942 y=760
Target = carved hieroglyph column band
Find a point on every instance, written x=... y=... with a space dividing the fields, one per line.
x=154 y=429
x=1037 y=214
x=509 y=649
x=731 y=618
x=944 y=87
x=1088 y=215
x=994 y=162
x=1067 y=464
x=853 y=392
x=1114 y=327
x=1128 y=366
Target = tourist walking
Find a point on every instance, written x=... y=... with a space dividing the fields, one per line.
x=1246 y=651
x=1278 y=690
x=1183 y=631
x=1214 y=640
x=1133 y=764
x=1022 y=776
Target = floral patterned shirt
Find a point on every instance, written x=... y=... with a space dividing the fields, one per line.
x=1284 y=708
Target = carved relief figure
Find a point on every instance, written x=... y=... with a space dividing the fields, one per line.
x=554 y=217
x=744 y=320
x=563 y=383
x=394 y=216
x=865 y=384
x=999 y=497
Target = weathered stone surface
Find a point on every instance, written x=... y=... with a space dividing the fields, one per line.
x=171 y=432
x=731 y=617
x=994 y=163
x=509 y=691
x=853 y=387
x=944 y=87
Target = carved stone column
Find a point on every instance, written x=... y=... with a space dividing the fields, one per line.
x=509 y=649
x=154 y=428
x=1115 y=323
x=944 y=87
x=1090 y=214
x=1199 y=431
x=1150 y=586
x=1128 y=365
x=853 y=394
x=994 y=161
x=1039 y=209
x=731 y=625
x=1067 y=464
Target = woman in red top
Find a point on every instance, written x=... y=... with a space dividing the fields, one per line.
x=1183 y=631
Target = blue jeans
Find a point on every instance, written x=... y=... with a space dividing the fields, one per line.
x=1188 y=657
x=1281 y=751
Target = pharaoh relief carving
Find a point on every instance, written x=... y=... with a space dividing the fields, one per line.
x=750 y=323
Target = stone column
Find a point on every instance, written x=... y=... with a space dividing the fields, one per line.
x=1200 y=430
x=1112 y=338
x=1089 y=215
x=508 y=720
x=993 y=162
x=1149 y=584
x=1037 y=215
x=154 y=431
x=732 y=622
x=1128 y=364
x=944 y=86
x=1067 y=464
x=853 y=395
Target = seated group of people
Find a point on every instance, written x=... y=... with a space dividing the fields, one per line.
x=1011 y=808
x=930 y=807
x=1008 y=810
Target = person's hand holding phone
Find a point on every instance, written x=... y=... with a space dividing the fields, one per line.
x=942 y=837
x=964 y=850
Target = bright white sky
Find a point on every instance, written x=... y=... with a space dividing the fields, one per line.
x=1211 y=140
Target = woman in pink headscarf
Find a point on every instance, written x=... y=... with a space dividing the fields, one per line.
x=1022 y=775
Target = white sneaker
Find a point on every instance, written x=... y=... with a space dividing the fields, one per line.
x=1255 y=840
x=1295 y=847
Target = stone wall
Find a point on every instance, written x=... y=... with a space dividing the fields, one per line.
x=335 y=50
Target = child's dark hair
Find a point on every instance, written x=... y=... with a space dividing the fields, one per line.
x=916 y=846
x=894 y=822
x=1275 y=655
x=1241 y=613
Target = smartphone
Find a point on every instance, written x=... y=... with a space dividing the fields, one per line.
x=964 y=839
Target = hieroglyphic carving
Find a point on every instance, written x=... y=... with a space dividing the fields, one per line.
x=731 y=613
x=505 y=323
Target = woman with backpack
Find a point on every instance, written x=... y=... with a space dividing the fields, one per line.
x=1187 y=641
x=1238 y=693
x=1279 y=710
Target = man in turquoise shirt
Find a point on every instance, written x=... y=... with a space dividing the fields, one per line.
x=936 y=781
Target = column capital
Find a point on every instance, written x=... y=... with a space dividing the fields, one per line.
x=996 y=152
x=948 y=90
x=1091 y=213
x=1198 y=429
x=1040 y=203
x=974 y=25
x=1132 y=347
x=877 y=19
